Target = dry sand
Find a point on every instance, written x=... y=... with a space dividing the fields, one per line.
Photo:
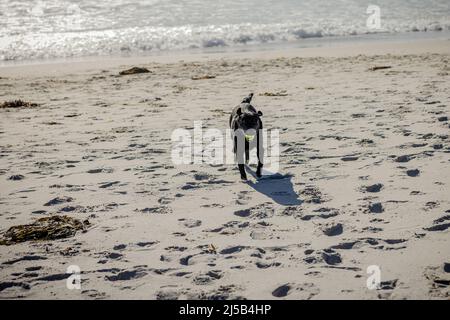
x=100 y=143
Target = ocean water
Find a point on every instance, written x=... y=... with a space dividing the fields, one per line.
x=40 y=29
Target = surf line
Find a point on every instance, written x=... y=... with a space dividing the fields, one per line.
x=191 y=310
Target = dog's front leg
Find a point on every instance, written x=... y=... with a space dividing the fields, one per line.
x=242 y=171
x=247 y=152
x=239 y=148
x=259 y=152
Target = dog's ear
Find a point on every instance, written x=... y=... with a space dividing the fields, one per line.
x=248 y=98
x=239 y=111
x=260 y=113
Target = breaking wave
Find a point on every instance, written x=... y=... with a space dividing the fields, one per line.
x=118 y=27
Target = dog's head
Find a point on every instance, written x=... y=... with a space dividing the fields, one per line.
x=248 y=119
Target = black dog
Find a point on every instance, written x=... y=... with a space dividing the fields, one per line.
x=246 y=123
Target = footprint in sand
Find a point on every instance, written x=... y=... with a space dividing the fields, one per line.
x=402 y=159
x=376 y=207
x=190 y=223
x=105 y=185
x=234 y=249
x=331 y=257
x=223 y=292
x=231 y=227
x=345 y=245
x=439 y=281
x=100 y=170
x=328 y=256
x=94 y=294
x=119 y=246
x=207 y=278
x=303 y=291
x=311 y=194
x=242 y=198
x=25 y=258
x=281 y=291
x=323 y=213
x=413 y=172
x=388 y=285
x=265 y=265
x=167 y=295
x=292 y=211
x=156 y=210
x=431 y=205
x=332 y=229
x=259 y=235
x=261 y=211
x=146 y=244
x=385 y=288
x=201 y=176
x=165 y=200
x=373 y=188
x=113 y=255
x=10 y=284
x=440 y=224
x=58 y=200
x=446 y=267
x=127 y=275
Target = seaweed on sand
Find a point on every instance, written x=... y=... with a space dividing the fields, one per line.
x=17 y=104
x=46 y=228
x=203 y=77
x=281 y=93
x=134 y=70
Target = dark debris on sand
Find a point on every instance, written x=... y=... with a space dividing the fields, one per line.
x=375 y=68
x=46 y=228
x=134 y=70
x=17 y=104
x=16 y=177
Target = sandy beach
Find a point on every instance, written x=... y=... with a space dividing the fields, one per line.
x=364 y=164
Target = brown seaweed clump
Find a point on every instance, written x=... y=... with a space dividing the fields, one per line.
x=134 y=70
x=203 y=77
x=46 y=228
x=17 y=104
x=281 y=93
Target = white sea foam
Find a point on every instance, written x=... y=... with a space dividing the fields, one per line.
x=68 y=28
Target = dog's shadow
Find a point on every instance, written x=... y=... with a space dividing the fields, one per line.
x=278 y=187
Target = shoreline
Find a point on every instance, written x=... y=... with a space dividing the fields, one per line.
x=326 y=49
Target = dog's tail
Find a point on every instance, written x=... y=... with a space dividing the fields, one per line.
x=248 y=98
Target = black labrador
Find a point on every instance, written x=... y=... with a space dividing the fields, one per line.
x=245 y=122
